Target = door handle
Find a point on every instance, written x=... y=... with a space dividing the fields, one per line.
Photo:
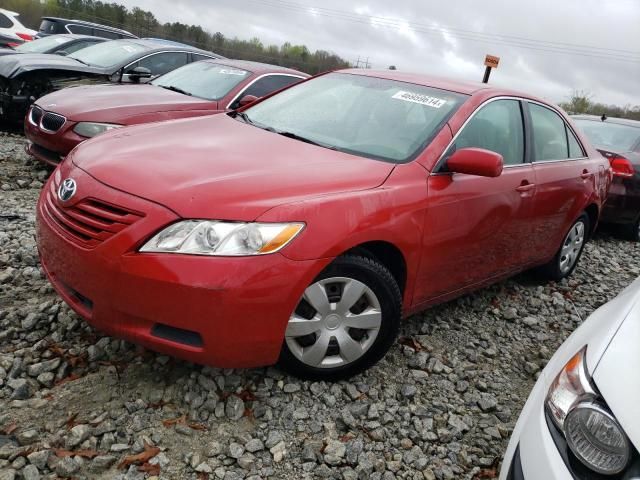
x=525 y=187
x=585 y=174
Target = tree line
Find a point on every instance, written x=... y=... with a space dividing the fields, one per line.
x=144 y=24
x=581 y=102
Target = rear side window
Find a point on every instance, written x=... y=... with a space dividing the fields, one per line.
x=197 y=57
x=80 y=29
x=48 y=26
x=497 y=127
x=549 y=134
x=5 y=22
x=98 y=32
x=265 y=86
x=575 y=150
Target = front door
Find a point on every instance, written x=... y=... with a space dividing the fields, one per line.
x=477 y=227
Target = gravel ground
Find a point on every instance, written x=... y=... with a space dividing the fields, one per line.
x=74 y=403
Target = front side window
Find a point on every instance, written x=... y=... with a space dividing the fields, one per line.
x=371 y=117
x=207 y=80
x=162 y=63
x=497 y=127
x=108 y=54
x=79 y=29
x=614 y=136
x=549 y=134
x=265 y=86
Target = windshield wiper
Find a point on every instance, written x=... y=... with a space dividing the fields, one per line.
x=295 y=136
x=245 y=118
x=173 y=88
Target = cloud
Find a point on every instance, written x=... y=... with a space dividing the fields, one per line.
x=441 y=37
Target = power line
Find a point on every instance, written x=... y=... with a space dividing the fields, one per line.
x=522 y=42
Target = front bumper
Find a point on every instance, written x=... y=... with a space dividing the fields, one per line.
x=532 y=444
x=51 y=147
x=228 y=312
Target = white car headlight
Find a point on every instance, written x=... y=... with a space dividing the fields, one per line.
x=90 y=129
x=210 y=237
x=592 y=432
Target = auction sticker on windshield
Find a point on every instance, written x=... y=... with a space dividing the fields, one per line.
x=242 y=73
x=419 y=98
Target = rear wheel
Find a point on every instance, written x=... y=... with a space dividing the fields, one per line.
x=345 y=321
x=570 y=251
x=632 y=232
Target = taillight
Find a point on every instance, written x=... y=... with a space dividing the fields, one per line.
x=621 y=166
x=25 y=36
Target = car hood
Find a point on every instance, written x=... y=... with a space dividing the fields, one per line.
x=109 y=103
x=617 y=374
x=221 y=168
x=14 y=65
x=7 y=51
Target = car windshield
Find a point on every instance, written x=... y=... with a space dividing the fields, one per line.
x=41 y=45
x=611 y=135
x=206 y=80
x=108 y=54
x=371 y=117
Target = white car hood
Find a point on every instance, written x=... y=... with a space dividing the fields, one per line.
x=617 y=374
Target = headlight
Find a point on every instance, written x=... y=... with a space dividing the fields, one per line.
x=90 y=129
x=209 y=237
x=592 y=432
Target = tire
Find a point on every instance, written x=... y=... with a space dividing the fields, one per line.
x=322 y=342
x=557 y=269
x=632 y=231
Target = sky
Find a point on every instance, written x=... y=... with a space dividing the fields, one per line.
x=546 y=47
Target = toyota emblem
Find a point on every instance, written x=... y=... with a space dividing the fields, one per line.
x=67 y=189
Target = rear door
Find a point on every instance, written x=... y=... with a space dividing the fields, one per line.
x=477 y=228
x=565 y=177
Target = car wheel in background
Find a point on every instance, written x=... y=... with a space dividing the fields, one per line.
x=632 y=232
x=566 y=260
x=345 y=321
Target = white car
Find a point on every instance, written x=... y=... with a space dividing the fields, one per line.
x=10 y=26
x=582 y=419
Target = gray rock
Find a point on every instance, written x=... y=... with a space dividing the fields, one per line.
x=66 y=467
x=30 y=472
x=254 y=445
x=102 y=462
x=234 y=408
x=39 y=458
x=77 y=435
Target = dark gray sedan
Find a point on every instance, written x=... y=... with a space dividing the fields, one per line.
x=25 y=78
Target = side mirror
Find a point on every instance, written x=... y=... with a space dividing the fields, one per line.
x=246 y=100
x=476 y=161
x=135 y=74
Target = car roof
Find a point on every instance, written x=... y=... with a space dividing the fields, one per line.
x=84 y=22
x=258 y=67
x=443 y=83
x=10 y=12
x=619 y=121
x=152 y=45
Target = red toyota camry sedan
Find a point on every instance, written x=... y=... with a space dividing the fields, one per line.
x=59 y=121
x=302 y=228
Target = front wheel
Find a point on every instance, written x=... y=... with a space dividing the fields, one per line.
x=345 y=321
x=566 y=260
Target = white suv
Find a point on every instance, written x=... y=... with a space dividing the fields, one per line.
x=11 y=27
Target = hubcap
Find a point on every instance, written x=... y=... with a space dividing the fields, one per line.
x=571 y=247
x=335 y=323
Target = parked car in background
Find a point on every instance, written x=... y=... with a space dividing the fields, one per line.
x=582 y=418
x=301 y=228
x=11 y=27
x=7 y=42
x=200 y=88
x=618 y=139
x=58 y=44
x=55 y=25
x=24 y=78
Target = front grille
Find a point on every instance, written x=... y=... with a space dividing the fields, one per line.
x=52 y=121
x=90 y=221
x=36 y=114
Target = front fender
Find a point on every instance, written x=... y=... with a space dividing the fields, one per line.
x=393 y=212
